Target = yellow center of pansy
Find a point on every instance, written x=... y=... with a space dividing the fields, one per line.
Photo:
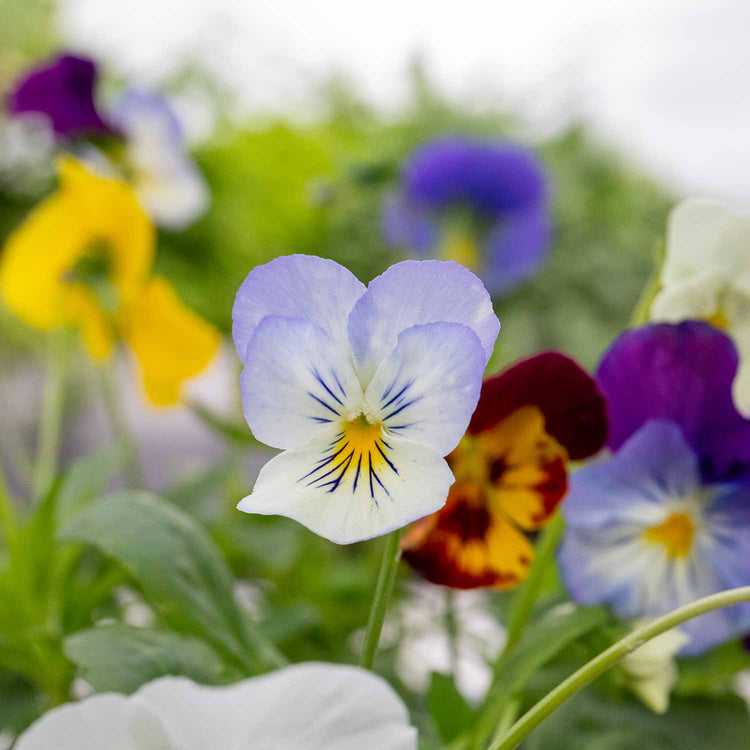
x=676 y=534
x=718 y=320
x=461 y=248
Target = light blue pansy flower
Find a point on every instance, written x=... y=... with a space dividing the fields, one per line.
x=166 y=179
x=365 y=389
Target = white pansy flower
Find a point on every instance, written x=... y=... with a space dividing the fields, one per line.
x=311 y=706
x=651 y=670
x=706 y=276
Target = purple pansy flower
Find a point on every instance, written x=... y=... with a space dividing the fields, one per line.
x=666 y=520
x=482 y=203
x=63 y=90
x=365 y=389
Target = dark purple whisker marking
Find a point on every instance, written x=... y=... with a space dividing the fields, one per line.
x=387 y=460
x=397 y=396
x=402 y=407
x=320 y=380
x=323 y=403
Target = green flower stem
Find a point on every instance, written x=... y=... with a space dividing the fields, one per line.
x=528 y=593
x=51 y=418
x=119 y=423
x=383 y=591
x=653 y=285
x=600 y=664
x=451 y=629
x=8 y=515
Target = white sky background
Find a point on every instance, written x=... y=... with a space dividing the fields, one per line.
x=665 y=81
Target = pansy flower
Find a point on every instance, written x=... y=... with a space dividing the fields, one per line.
x=706 y=276
x=481 y=203
x=511 y=473
x=364 y=388
x=666 y=520
x=83 y=258
x=313 y=706
x=157 y=161
x=62 y=90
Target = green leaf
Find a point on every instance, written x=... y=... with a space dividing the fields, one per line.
x=592 y=722
x=121 y=658
x=19 y=702
x=178 y=567
x=450 y=712
x=713 y=672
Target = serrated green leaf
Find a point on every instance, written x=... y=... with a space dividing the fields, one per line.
x=450 y=712
x=121 y=658
x=178 y=567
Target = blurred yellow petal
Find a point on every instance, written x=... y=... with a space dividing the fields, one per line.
x=95 y=325
x=170 y=342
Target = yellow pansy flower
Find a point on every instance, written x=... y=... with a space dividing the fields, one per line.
x=83 y=258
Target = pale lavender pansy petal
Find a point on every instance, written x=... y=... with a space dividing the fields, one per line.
x=428 y=387
x=347 y=493
x=412 y=293
x=296 y=286
x=682 y=373
x=653 y=468
x=107 y=721
x=296 y=382
x=311 y=706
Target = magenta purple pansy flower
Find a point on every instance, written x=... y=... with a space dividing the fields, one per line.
x=666 y=520
x=365 y=389
x=482 y=203
x=62 y=90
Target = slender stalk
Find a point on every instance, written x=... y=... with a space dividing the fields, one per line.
x=8 y=515
x=451 y=629
x=528 y=593
x=383 y=591
x=601 y=663
x=51 y=417
x=119 y=423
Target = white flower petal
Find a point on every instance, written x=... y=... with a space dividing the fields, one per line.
x=704 y=235
x=311 y=706
x=296 y=286
x=297 y=381
x=697 y=297
x=412 y=293
x=103 y=721
x=347 y=493
x=428 y=388
x=174 y=197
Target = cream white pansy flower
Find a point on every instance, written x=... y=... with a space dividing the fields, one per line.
x=312 y=706
x=706 y=276
x=651 y=670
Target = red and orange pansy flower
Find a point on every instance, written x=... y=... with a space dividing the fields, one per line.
x=511 y=473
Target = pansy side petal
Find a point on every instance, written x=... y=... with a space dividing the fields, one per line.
x=413 y=293
x=171 y=343
x=681 y=373
x=703 y=234
x=297 y=382
x=106 y=720
x=566 y=395
x=346 y=491
x=427 y=388
x=695 y=298
x=464 y=545
x=347 y=707
x=296 y=286
x=409 y=224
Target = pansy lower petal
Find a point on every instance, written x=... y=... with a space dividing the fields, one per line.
x=653 y=468
x=413 y=293
x=427 y=388
x=170 y=342
x=348 y=707
x=106 y=720
x=347 y=491
x=466 y=546
x=297 y=382
x=737 y=307
x=703 y=234
x=296 y=286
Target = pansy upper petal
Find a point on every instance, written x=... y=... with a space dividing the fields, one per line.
x=106 y=720
x=427 y=388
x=348 y=487
x=682 y=373
x=296 y=286
x=703 y=234
x=567 y=396
x=348 y=707
x=413 y=293
x=297 y=381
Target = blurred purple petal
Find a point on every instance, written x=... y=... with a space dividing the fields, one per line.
x=409 y=224
x=62 y=89
x=683 y=373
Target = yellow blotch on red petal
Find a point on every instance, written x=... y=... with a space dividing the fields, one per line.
x=170 y=342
